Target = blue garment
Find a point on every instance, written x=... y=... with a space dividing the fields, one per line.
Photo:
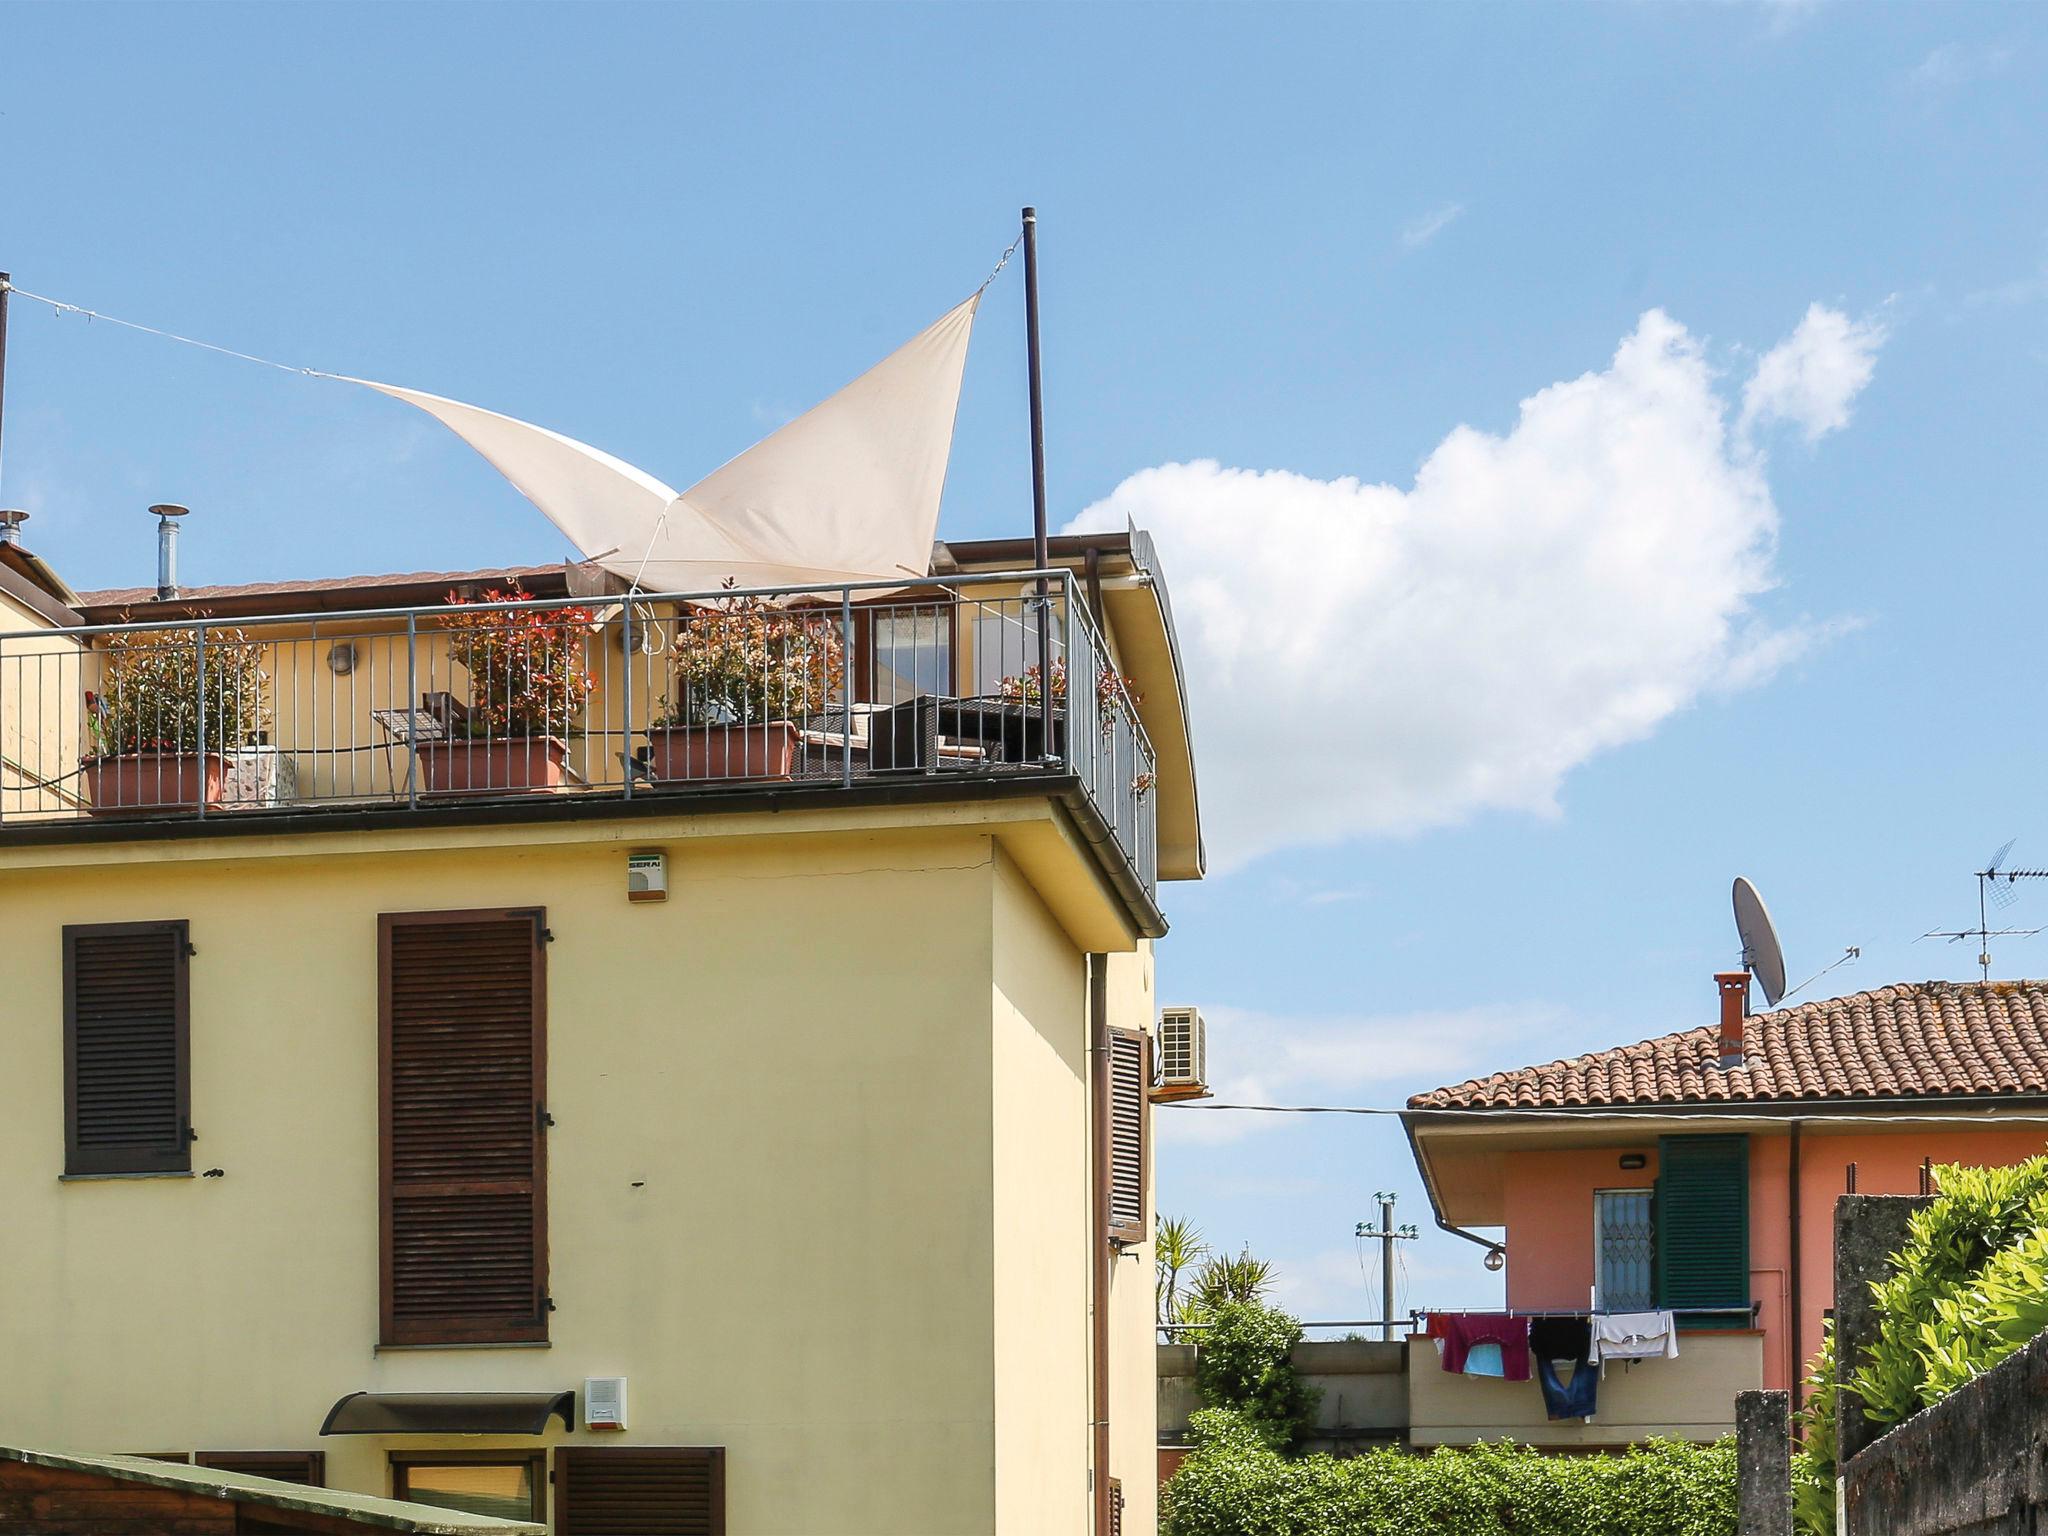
x=1484 y=1360
x=1568 y=1400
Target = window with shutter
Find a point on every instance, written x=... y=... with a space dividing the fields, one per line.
x=1130 y=1064
x=127 y=1028
x=463 y=1030
x=640 y=1490
x=308 y=1468
x=1702 y=1227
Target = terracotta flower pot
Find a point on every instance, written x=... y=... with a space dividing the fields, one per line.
x=682 y=753
x=494 y=765
x=136 y=783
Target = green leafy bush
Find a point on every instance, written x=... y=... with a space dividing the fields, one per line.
x=1813 y=1457
x=1969 y=1286
x=1234 y=1483
x=1244 y=1363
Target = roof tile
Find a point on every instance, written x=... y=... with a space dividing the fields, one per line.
x=1930 y=1039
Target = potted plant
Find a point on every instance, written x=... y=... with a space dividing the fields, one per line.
x=144 y=719
x=528 y=683
x=1113 y=692
x=744 y=675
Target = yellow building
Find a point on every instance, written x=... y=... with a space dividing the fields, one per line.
x=454 y=1028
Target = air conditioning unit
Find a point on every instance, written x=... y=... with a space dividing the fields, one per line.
x=1183 y=1055
x=604 y=1402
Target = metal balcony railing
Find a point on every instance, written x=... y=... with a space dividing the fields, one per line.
x=663 y=694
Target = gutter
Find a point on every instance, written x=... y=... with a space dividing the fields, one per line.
x=1435 y=1207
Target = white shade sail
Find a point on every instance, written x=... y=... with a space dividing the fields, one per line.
x=849 y=491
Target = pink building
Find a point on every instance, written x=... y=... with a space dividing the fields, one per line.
x=1697 y=1172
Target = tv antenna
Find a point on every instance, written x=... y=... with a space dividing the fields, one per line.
x=1996 y=887
x=1762 y=955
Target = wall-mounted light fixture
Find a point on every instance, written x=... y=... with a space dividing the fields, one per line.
x=1634 y=1160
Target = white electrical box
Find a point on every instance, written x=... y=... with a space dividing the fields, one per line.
x=647 y=877
x=604 y=1402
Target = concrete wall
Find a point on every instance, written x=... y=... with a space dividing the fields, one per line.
x=1690 y=1398
x=1970 y=1464
x=816 y=1181
x=1364 y=1384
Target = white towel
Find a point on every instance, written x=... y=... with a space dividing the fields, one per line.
x=1634 y=1336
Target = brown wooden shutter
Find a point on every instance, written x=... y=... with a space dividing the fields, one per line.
x=640 y=1490
x=305 y=1467
x=1130 y=1061
x=463 y=1033
x=127 y=1038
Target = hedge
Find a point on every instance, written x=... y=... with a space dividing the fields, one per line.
x=1234 y=1484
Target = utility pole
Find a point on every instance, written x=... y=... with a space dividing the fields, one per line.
x=1388 y=1235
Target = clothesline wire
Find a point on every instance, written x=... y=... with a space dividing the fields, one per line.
x=60 y=307
x=63 y=307
x=1682 y=1113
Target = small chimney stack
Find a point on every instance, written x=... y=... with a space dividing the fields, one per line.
x=10 y=525
x=1734 y=987
x=166 y=514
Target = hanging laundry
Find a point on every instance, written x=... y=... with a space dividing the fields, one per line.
x=1461 y=1331
x=1556 y=1341
x=1634 y=1336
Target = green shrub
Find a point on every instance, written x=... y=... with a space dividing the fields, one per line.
x=1957 y=1301
x=1968 y=1287
x=1234 y=1483
x=1244 y=1363
x=1813 y=1458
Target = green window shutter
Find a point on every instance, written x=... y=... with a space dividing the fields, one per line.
x=1703 y=1226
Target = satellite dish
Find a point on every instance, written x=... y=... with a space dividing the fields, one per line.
x=1762 y=956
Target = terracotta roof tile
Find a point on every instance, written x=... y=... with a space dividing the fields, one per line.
x=1931 y=1039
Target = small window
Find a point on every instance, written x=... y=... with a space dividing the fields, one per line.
x=127 y=1075
x=307 y=1468
x=640 y=1490
x=1625 y=1239
x=1130 y=1074
x=510 y=1487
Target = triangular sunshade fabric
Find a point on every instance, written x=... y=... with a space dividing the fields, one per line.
x=847 y=492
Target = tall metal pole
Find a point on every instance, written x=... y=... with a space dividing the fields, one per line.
x=6 y=287
x=1040 y=559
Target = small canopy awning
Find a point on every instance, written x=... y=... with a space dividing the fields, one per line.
x=449 y=1413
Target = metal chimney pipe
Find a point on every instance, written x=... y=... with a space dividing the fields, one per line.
x=11 y=520
x=166 y=514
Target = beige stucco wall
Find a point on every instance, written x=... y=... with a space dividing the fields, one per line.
x=1689 y=1398
x=815 y=1182
x=41 y=702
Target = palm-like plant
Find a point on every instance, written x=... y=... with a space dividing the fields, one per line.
x=1177 y=1247
x=1224 y=1278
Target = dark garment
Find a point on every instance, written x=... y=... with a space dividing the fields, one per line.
x=1461 y=1330
x=1560 y=1338
x=1575 y=1399
x=1565 y=1340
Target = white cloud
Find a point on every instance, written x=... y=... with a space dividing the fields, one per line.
x=1418 y=232
x=1370 y=659
x=1813 y=376
x=1261 y=1058
x=1954 y=64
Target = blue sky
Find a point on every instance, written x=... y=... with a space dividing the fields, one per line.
x=1744 y=587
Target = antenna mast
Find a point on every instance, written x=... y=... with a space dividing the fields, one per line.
x=1995 y=888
